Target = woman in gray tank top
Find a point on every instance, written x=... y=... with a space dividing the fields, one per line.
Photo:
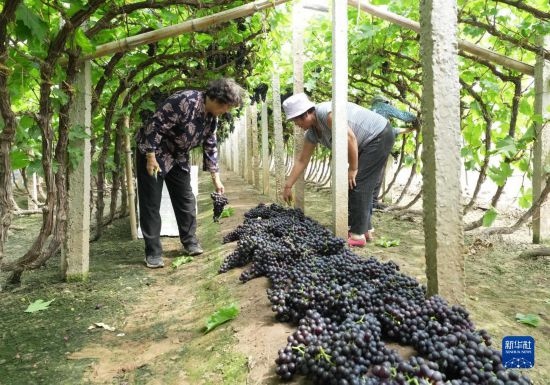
x=370 y=140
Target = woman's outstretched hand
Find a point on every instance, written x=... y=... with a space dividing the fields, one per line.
x=287 y=194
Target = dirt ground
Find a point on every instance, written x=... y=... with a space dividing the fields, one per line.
x=159 y=315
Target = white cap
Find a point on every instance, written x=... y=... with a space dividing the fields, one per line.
x=296 y=105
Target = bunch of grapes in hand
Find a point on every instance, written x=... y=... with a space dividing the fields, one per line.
x=219 y=201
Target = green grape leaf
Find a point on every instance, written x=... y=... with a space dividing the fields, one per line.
x=506 y=146
x=528 y=319
x=525 y=200
x=221 y=316
x=83 y=42
x=489 y=217
x=383 y=242
x=60 y=95
x=32 y=21
x=78 y=132
x=19 y=159
x=227 y=212
x=38 y=305
x=466 y=151
x=22 y=32
x=529 y=134
x=35 y=166
x=524 y=164
x=26 y=122
x=75 y=6
x=525 y=107
x=500 y=174
x=184 y=259
x=204 y=38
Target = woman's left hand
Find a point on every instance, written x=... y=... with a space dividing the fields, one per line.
x=218 y=185
x=351 y=178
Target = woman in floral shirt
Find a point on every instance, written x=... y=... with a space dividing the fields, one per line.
x=185 y=120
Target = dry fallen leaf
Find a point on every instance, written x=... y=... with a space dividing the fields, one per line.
x=101 y=325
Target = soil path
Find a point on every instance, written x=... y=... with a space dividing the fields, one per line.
x=172 y=302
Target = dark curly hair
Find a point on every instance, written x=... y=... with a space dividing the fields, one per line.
x=225 y=91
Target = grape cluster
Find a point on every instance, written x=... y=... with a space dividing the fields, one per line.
x=347 y=308
x=219 y=201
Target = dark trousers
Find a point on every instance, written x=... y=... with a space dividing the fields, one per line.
x=372 y=158
x=178 y=183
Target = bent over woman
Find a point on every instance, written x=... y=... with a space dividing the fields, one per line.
x=370 y=140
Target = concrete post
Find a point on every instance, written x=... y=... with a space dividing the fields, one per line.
x=75 y=255
x=249 y=149
x=278 y=139
x=298 y=71
x=339 y=183
x=229 y=151
x=443 y=228
x=248 y=146
x=33 y=198
x=226 y=148
x=265 y=151
x=541 y=154
x=244 y=145
x=254 y=143
x=235 y=147
x=130 y=181
x=228 y=154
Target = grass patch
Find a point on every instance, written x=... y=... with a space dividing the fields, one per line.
x=218 y=363
x=35 y=345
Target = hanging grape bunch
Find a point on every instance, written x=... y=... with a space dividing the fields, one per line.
x=219 y=201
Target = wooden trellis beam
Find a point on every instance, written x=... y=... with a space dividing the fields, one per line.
x=188 y=26
x=473 y=49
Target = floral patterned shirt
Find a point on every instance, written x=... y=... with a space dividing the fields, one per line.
x=180 y=124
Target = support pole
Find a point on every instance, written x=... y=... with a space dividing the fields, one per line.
x=541 y=153
x=443 y=229
x=255 y=149
x=130 y=180
x=242 y=146
x=235 y=147
x=339 y=183
x=298 y=71
x=75 y=255
x=278 y=139
x=33 y=198
x=265 y=150
x=249 y=149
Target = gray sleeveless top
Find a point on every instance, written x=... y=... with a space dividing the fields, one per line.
x=365 y=124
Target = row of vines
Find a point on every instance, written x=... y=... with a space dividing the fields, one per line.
x=41 y=41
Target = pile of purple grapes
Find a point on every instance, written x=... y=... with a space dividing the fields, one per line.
x=349 y=310
x=219 y=201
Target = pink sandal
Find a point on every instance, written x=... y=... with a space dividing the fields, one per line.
x=356 y=242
